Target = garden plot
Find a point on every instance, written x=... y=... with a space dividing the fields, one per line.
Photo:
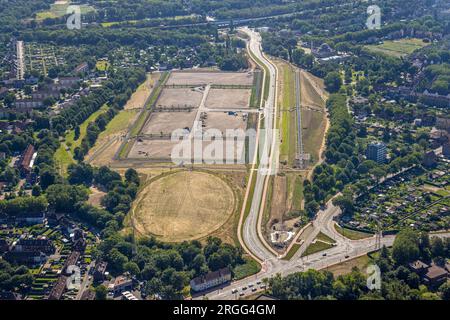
x=228 y=99
x=215 y=78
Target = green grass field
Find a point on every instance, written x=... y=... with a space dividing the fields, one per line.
x=288 y=125
x=397 y=48
x=63 y=157
x=119 y=122
x=60 y=10
x=352 y=234
x=102 y=65
x=292 y=252
x=242 y=271
x=316 y=247
x=324 y=237
x=298 y=193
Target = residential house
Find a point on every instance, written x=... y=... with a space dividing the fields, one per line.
x=33 y=245
x=211 y=280
x=31 y=218
x=120 y=284
x=435 y=276
x=429 y=159
x=27 y=160
x=100 y=271
x=81 y=68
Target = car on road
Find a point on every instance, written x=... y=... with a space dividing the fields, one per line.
x=346 y=257
x=254 y=290
x=242 y=294
x=324 y=255
x=244 y=288
x=258 y=283
x=234 y=291
x=250 y=285
x=263 y=286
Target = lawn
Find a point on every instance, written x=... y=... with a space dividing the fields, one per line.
x=250 y=267
x=298 y=193
x=287 y=95
x=292 y=252
x=64 y=157
x=324 y=237
x=316 y=247
x=352 y=234
x=398 y=48
x=102 y=65
x=120 y=122
x=70 y=137
x=347 y=266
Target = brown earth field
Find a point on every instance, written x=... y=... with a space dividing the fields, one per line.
x=139 y=97
x=202 y=78
x=175 y=207
x=314 y=117
x=228 y=99
x=180 y=97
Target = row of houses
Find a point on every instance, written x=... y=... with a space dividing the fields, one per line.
x=28 y=250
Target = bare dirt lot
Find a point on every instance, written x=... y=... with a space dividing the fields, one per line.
x=223 y=78
x=139 y=97
x=223 y=121
x=312 y=91
x=228 y=99
x=176 y=207
x=314 y=118
x=148 y=149
x=182 y=97
x=95 y=197
x=167 y=122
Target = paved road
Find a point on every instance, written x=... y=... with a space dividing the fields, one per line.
x=250 y=228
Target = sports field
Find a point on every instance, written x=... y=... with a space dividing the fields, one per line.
x=59 y=9
x=176 y=207
x=398 y=48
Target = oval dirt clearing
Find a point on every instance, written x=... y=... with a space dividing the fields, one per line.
x=185 y=205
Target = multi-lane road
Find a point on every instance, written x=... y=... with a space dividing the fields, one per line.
x=253 y=242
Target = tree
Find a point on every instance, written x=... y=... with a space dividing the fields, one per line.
x=80 y=174
x=36 y=191
x=406 y=247
x=437 y=247
x=64 y=197
x=132 y=176
x=101 y=292
x=333 y=81
x=445 y=290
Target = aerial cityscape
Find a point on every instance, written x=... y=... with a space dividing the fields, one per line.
x=235 y=150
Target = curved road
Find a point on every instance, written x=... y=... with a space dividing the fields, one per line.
x=267 y=138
